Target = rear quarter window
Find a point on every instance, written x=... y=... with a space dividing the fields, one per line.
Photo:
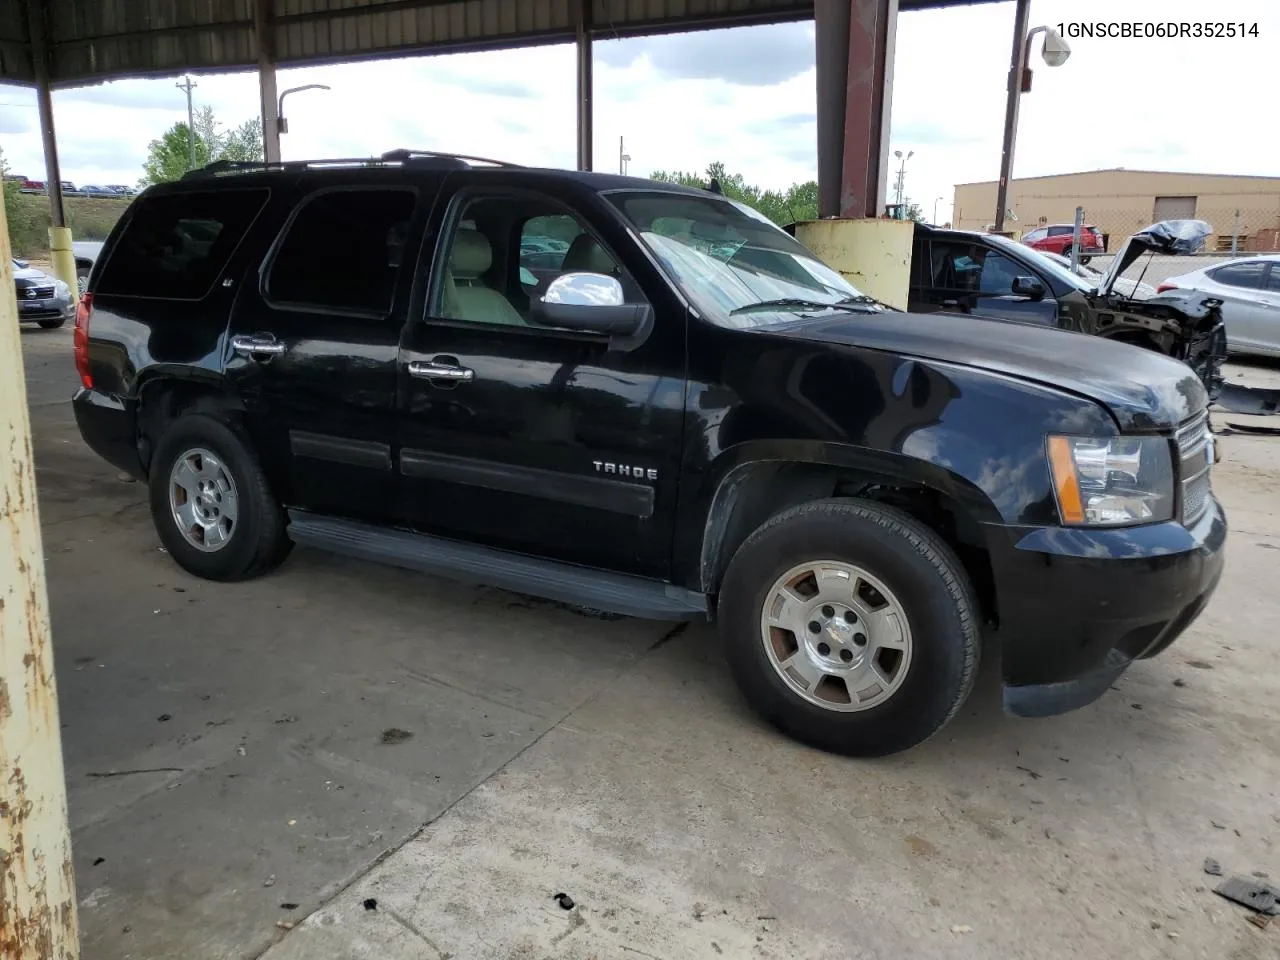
x=175 y=246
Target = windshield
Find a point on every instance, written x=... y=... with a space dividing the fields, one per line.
x=725 y=256
x=1048 y=264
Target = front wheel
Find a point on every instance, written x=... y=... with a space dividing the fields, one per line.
x=51 y=324
x=851 y=626
x=211 y=504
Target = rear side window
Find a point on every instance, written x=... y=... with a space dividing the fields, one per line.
x=1242 y=274
x=342 y=251
x=175 y=246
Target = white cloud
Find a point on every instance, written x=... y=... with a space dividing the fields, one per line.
x=685 y=101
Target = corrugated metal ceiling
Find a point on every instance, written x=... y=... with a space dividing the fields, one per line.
x=94 y=40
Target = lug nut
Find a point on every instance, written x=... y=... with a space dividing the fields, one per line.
x=828 y=611
x=824 y=649
x=846 y=655
x=815 y=626
x=860 y=639
x=850 y=617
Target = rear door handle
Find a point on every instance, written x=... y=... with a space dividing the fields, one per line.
x=257 y=346
x=442 y=369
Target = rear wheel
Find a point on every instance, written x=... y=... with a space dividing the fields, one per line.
x=850 y=626
x=211 y=504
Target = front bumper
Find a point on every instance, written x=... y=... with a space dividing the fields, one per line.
x=45 y=309
x=1077 y=606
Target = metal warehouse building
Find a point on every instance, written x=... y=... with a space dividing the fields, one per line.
x=1120 y=202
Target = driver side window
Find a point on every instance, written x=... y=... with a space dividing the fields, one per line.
x=504 y=251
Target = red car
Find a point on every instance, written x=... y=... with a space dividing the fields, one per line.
x=1056 y=238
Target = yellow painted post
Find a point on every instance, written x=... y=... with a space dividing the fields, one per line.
x=64 y=261
x=873 y=255
x=37 y=884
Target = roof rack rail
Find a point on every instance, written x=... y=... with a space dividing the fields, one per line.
x=402 y=155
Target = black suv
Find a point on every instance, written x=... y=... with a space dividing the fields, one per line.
x=685 y=415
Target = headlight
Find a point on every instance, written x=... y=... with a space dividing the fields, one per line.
x=61 y=289
x=1111 y=481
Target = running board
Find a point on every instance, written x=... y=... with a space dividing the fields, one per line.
x=471 y=563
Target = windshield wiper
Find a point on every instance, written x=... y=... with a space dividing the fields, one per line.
x=854 y=304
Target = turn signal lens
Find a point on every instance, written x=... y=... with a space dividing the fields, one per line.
x=81 y=340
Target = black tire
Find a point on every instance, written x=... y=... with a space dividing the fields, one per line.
x=51 y=324
x=915 y=564
x=258 y=541
x=1085 y=258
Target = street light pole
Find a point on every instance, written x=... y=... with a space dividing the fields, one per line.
x=902 y=175
x=188 y=85
x=623 y=157
x=935 y=210
x=281 y=123
x=1055 y=54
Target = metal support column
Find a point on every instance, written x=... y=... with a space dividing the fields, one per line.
x=831 y=29
x=263 y=40
x=37 y=884
x=1017 y=67
x=585 y=131
x=873 y=29
x=64 y=261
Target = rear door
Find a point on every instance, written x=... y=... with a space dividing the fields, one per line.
x=1249 y=319
x=314 y=341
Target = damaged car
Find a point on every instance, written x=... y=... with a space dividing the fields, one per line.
x=960 y=271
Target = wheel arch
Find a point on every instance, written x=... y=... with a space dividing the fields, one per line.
x=163 y=397
x=760 y=484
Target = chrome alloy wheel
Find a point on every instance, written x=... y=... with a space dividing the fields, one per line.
x=203 y=500
x=836 y=635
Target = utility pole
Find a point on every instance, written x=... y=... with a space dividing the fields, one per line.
x=188 y=85
x=623 y=158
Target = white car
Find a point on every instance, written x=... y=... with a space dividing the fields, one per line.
x=1250 y=292
x=1133 y=289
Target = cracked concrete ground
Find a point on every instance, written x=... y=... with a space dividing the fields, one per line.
x=227 y=771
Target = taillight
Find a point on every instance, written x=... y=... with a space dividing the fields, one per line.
x=82 y=339
x=1165 y=287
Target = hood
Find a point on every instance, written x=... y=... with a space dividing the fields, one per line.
x=1143 y=390
x=1173 y=237
x=27 y=276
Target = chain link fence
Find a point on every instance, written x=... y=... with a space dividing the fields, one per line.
x=1241 y=224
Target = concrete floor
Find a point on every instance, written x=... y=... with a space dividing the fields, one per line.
x=239 y=728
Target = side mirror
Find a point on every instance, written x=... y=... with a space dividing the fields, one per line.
x=22 y=264
x=1028 y=287
x=588 y=301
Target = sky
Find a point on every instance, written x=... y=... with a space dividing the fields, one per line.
x=745 y=97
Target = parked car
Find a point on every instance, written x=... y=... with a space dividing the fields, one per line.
x=959 y=271
x=67 y=186
x=120 y=190
x=92 y=190
x=41 y=298
x=1133 y=289
x=1249 y=289
x=344 y=357
x=32 y=186
x=1056 y=238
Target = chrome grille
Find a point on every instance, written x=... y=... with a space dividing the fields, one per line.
x=1195 y=458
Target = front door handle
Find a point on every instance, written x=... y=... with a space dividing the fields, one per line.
x=439 y=369
x=257 y=346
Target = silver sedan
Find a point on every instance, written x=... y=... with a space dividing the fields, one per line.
x=1250 y=292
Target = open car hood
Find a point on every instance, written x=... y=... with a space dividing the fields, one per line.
x=1177 y=237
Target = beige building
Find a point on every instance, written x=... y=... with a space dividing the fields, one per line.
x=1119 y=202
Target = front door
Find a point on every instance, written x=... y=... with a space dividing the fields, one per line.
x=314 y=346
x=532 y=438
x=972 y=278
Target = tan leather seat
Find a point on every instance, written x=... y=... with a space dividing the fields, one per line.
x=587 y=256
x=465 y=295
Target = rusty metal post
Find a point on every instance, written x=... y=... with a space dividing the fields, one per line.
x=266 y=80
x=831 y=57
x=585 y=113
x=37 y=886
x=873 y=28
x=1017 y=67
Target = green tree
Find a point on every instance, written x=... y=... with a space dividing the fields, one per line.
x=169 y=157
x=797 y=202
x=913 y=211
